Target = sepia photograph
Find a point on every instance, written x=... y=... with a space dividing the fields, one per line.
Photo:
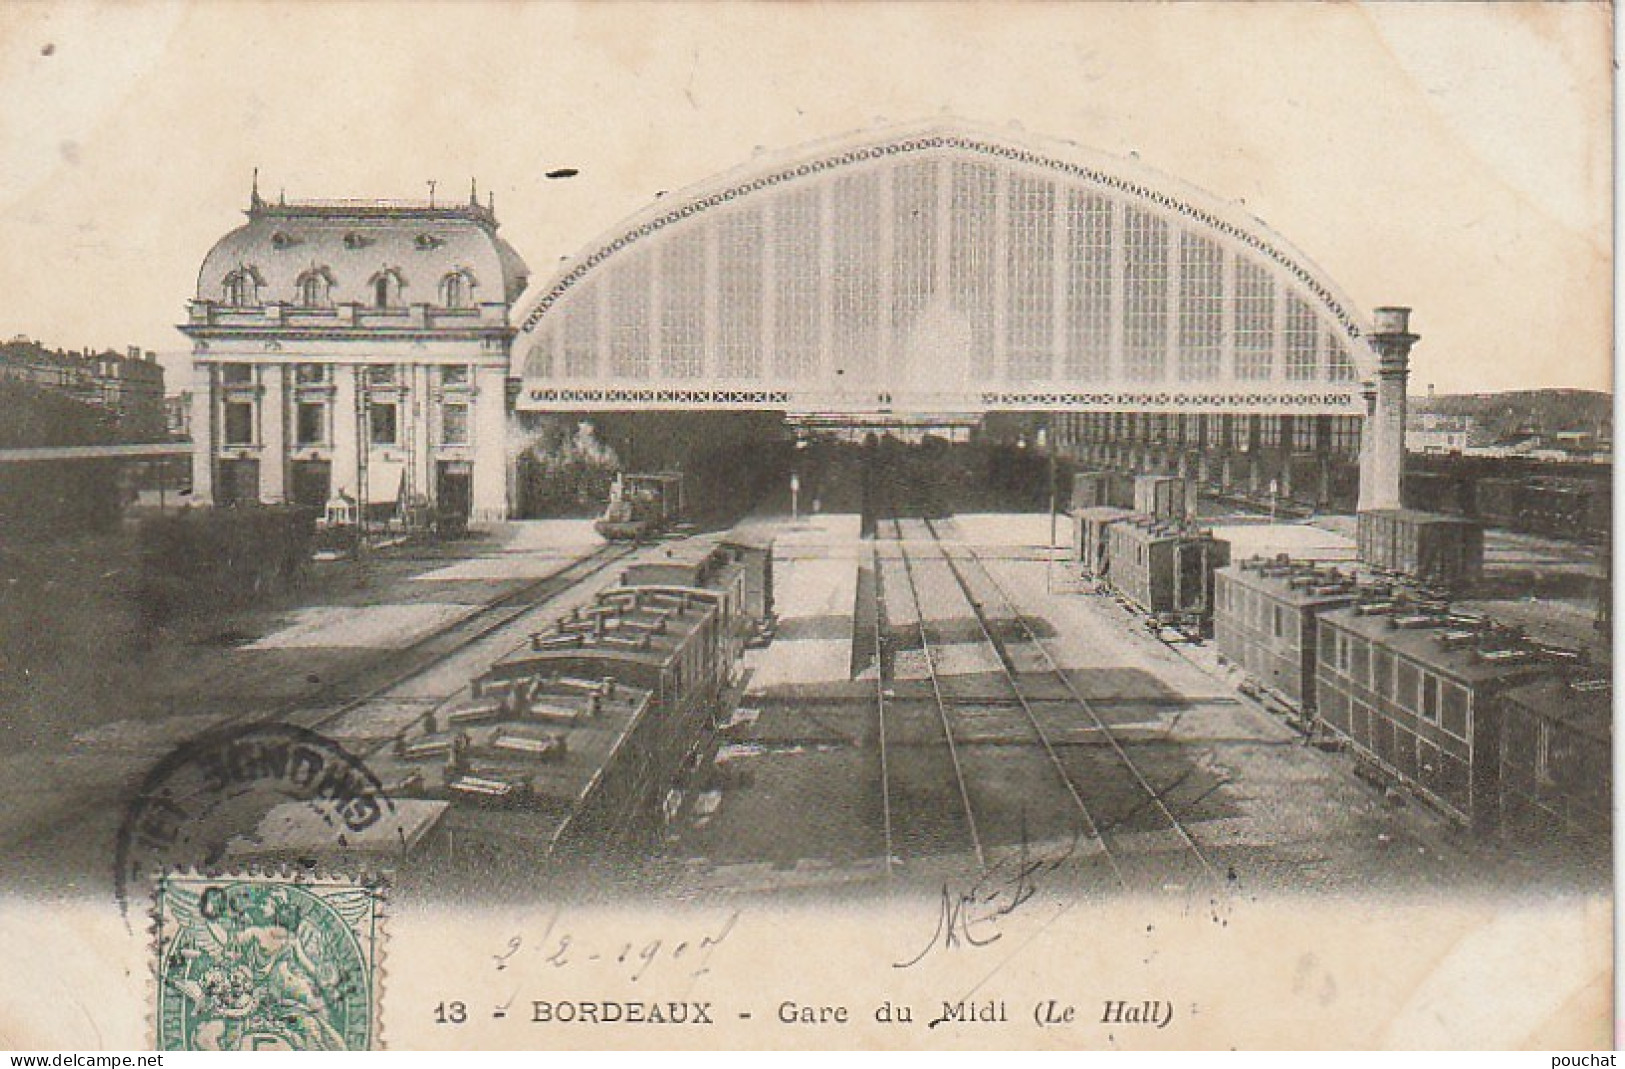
x=885 y=526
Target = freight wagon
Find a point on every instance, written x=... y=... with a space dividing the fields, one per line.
x=1165 y=569
x=1556 y=508
x=1499 y=502
x=1437 y=492
x=1162 y=496
x=1094 y=489
x=1446 y=551
x=1090 y=545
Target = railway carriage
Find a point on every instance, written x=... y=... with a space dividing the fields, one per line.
x=1556 y=748
x=1264 y=620
x=586 y=730
x=1493 y=729
x=1416 y=692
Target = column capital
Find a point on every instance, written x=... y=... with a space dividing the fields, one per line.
x=1392 y=339
x=1392 y=364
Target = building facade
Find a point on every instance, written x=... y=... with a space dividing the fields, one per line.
x=366 y=351
x=352 y=353
x=943 y=268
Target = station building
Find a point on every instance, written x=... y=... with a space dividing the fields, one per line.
x=925 y=269
x=355 y=353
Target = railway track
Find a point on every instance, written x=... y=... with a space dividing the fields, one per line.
x=1015 y=792
x=930 y=823
x=1021 y=759
x=879 y=637
x=1129 y=846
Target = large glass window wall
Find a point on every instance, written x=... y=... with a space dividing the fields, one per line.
x=1028 y=272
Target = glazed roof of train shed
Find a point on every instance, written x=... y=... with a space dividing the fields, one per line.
x=925 y=230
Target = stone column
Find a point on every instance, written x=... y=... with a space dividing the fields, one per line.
x=1380 y=476
x=1368 y=392
x=346 y=433
x=1255 y=449
x=1323 y=461
x=273 y=434
x=419 y=423
x=1286 y=454
x=490 y=441
x=202 y=433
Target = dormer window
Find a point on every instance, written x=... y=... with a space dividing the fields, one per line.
x=457 y=290
x=241 y=288
x=353 y=240
x=282 y=240
x=315 y=288
x=425 y=242
x=386 y=288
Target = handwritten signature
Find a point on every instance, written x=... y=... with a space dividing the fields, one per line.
x=973 y=916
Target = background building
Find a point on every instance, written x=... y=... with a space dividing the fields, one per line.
x=355 y=350
x=178 y=415
x=1433 y=432
x=127 y=388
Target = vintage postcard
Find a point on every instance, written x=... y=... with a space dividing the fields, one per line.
x=881 y=526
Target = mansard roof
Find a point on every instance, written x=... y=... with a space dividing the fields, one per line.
x=355 y=241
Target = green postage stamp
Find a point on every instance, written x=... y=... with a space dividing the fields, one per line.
x=258 y=962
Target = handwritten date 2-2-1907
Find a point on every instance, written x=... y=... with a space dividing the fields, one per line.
x=559 y=948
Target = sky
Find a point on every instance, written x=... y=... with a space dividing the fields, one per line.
x=1455 y=158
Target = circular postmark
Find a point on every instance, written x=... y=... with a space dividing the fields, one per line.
x=257 y=964
x=204 y=804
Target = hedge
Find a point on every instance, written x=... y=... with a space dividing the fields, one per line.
x=193 y=562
